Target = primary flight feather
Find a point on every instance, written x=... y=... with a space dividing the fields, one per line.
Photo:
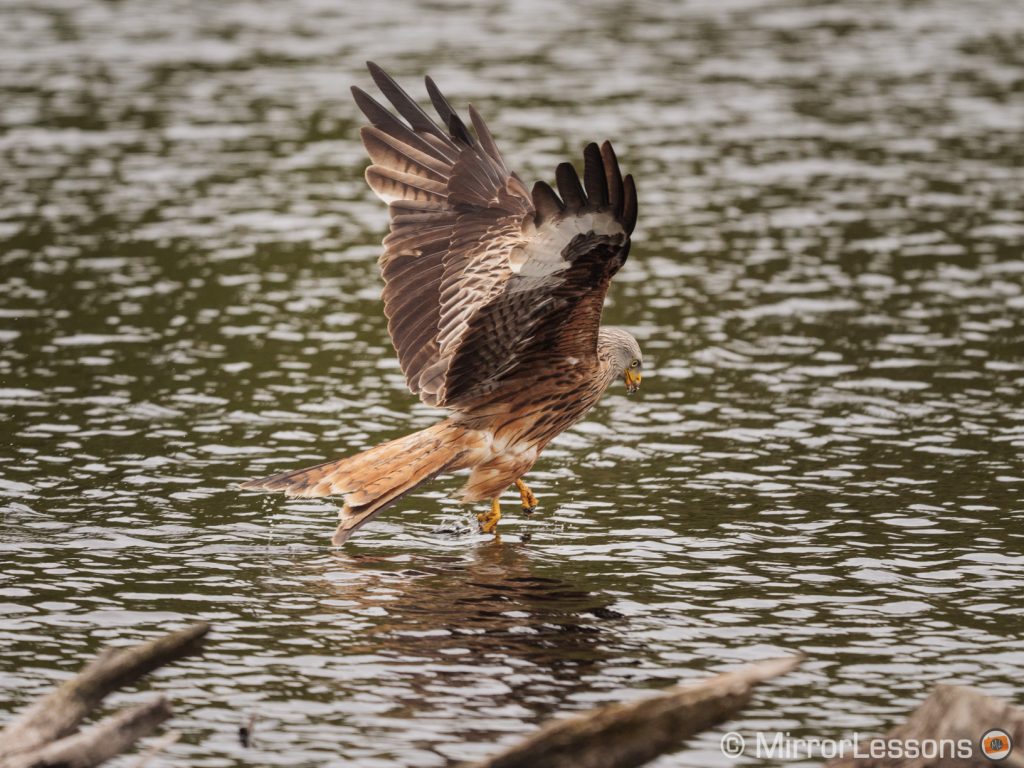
x=493 y=295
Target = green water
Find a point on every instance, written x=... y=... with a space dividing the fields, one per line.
x=827 y=279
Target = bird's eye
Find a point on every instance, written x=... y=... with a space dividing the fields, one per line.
x=636 y=363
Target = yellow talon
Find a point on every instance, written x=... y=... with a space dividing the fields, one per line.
x=526 y=496
x=489 y=520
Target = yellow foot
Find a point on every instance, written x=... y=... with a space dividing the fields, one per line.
x=527 y=497
x=489 y=520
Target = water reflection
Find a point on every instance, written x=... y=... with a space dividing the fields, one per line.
x=491 y=607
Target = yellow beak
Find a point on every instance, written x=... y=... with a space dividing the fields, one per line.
x=632 y=380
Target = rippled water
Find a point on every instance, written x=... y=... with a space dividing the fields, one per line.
x=827 y=278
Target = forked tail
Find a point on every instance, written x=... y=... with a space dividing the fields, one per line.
x=372 y=480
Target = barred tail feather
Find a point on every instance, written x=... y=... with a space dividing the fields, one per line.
x=373 y=480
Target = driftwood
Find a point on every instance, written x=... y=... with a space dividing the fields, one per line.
x=45 y=733
x=956 y=714
x=634 y=733
x=616 y=736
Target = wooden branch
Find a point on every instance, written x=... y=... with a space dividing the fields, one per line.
x=59 y=713
x=955 y=713
x=633 y=733
x=106 y=739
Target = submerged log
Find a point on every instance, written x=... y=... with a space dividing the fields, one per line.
x=950 y=719
x=94 y=746
x=633 y=733
x=45 y=733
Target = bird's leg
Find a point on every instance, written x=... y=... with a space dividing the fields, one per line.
x=526 y=496
x=489 y=520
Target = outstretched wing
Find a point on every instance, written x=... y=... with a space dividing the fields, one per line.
x=482 y=276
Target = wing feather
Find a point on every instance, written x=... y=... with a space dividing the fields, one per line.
x=381 y=118
x=410 y=240
x=613 y=177
x=390 y=151
x=629 y=205
x=593 y=177
x=448 y=115
x=404 y=103
x=392 y=184
x=481 y=275
x=569 y=186
x=471 y=184
x=546 y=202
x=487 y=140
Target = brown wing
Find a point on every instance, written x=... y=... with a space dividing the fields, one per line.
x=480 y=275
x=455 y=212
x=550 y=307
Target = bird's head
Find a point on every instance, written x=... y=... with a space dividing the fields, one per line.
x=623 y=354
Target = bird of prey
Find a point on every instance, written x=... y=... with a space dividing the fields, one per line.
x=493 y=295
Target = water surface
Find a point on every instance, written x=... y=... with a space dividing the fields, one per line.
x=827 y=279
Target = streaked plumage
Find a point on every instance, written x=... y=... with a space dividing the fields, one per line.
x=493 y=295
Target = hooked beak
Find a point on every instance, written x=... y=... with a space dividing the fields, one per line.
x=632 y=381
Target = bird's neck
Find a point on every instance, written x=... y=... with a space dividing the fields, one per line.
x=607 y=370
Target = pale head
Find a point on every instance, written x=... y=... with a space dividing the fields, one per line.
x=623 y=356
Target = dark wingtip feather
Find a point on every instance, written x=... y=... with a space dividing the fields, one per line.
x=367 y=104
x=381 y=118
x=613 y=176
x=374 y=111
x=546 y=202
x=569 y=186
x=629 y=207
x=402 y=101
x=383 y=80
x=447 y=113
x=377 y=72
x=594 y=177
